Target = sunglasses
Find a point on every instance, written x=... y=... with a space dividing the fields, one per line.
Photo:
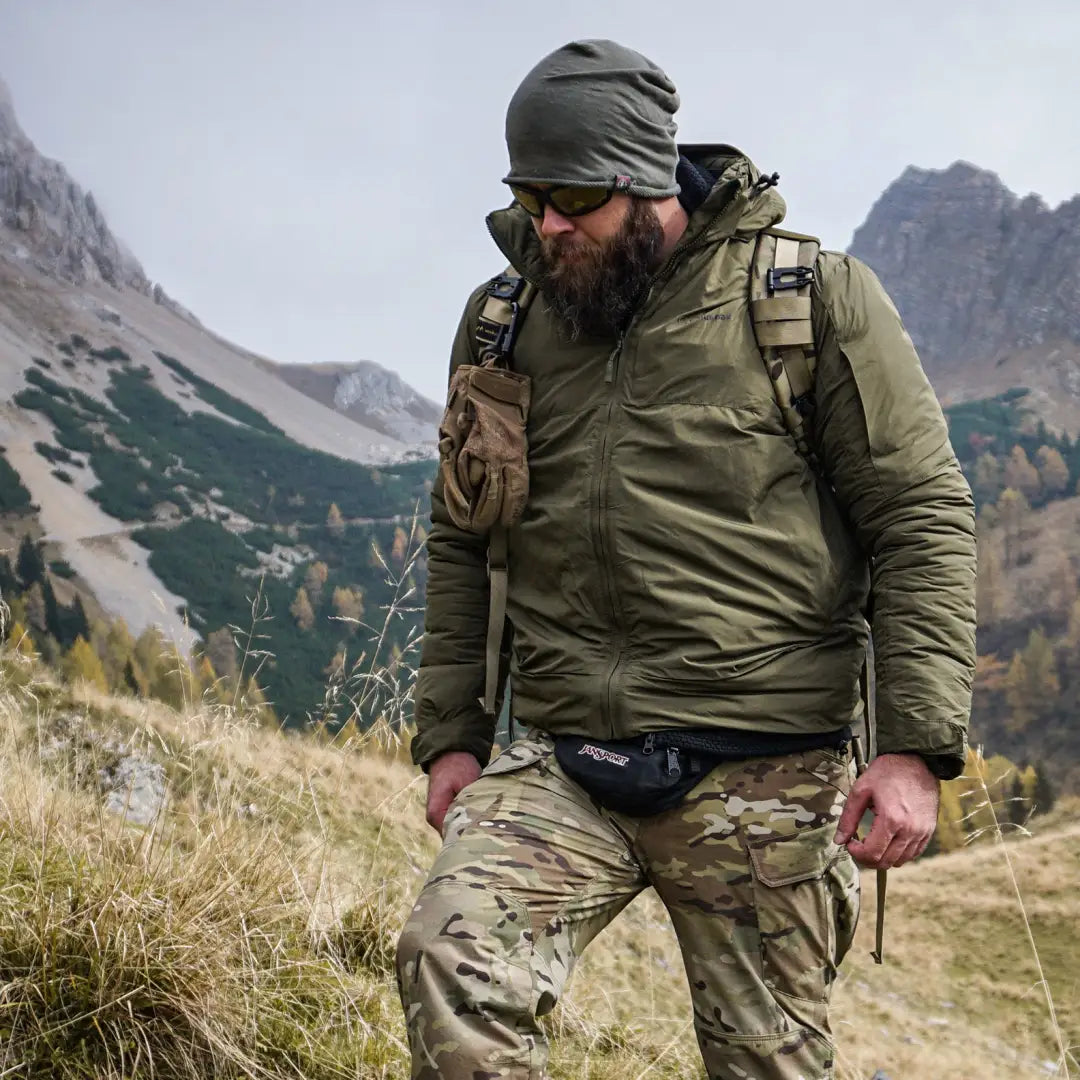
x=566 y=200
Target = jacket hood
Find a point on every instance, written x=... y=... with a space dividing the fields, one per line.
x=734 y=207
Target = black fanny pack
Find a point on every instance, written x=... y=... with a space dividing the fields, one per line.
x=653 y=773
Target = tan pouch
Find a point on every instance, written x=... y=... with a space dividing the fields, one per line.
x=483 y=447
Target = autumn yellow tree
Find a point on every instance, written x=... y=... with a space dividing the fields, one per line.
x=1053 y=472
x=302 y=611
x=335 y=523
x=1020 y=474
x=989 y=586
x=314 y=579
x=1031 y=685
x=20 y=640
x=400 y=547
x=349 y=606
x=1013 y=510
x=82 y=663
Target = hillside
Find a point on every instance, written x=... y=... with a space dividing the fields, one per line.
x=267 y=875
x=179 y=481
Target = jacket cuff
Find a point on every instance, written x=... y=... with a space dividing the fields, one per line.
x=943 y=746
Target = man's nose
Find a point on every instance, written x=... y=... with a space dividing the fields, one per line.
x=554 y=224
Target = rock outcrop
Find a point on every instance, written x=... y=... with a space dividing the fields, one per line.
x=51 y=220
x=977 y=272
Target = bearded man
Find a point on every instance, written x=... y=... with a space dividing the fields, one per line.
x=688 y=601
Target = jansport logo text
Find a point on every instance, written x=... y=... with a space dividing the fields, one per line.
x=598 y=754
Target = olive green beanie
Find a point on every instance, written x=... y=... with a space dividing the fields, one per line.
x=589 y=112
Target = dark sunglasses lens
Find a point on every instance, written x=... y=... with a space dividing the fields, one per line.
x=573 y=201
x=528 y=200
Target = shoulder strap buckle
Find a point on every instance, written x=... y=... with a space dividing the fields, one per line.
x=789 y=277
x=506 y=287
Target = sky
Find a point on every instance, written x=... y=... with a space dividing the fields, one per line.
x=312 y=179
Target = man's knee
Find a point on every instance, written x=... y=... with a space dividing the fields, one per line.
x=469 y=941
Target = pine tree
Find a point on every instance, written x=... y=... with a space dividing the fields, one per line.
x=34 y=599
x=8 y=582
x=1044 y=796
x=133 y=679
x=30 y=563
x=54 y=624
x=78 y=622
x=1017 y=806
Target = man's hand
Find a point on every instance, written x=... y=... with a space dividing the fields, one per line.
x=448 y=774
x=904 y=794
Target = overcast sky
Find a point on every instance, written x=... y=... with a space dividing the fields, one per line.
x=311 y=179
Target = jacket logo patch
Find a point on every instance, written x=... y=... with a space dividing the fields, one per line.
x=709 y=316
x=604 y=755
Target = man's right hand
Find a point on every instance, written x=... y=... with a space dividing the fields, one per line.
x=447 y=775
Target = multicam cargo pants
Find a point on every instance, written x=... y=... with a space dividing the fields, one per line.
x=531 y=870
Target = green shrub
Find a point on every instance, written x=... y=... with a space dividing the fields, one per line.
x=13 y=495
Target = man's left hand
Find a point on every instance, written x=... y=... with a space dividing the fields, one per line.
x=903 y=794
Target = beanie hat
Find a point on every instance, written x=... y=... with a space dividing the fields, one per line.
x=589 y=112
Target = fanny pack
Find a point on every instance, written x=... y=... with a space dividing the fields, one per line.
x=645 y=776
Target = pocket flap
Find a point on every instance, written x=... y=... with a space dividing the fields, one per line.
x=800 y=856
x=518 y=755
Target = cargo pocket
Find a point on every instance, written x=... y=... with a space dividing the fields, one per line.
x=800 y=899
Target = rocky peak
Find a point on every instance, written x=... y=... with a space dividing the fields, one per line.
x=49 y=219
x=976 y=271
x=9 y=124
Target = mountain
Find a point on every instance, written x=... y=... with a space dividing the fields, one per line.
x=369 y=394
x=172 y=475
x=988 y=284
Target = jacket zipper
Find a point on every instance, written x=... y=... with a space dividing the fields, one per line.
x=604 y=543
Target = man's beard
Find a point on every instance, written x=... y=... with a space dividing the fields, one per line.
x=595 y=289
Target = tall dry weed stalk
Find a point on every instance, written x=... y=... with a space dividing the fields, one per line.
x=996 y=828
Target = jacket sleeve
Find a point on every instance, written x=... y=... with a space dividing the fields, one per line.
x=450 y=680
x=884 y=446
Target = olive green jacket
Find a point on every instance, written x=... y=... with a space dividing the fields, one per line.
x=679 y=563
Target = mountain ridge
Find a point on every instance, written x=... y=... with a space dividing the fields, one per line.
x=987 y=283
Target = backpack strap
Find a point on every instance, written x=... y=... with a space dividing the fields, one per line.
x=508 y=298
x=780 y=280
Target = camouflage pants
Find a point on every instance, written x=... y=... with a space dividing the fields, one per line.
x=531 y=870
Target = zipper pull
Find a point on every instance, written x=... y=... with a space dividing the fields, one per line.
x=649 y=745
x=609 y=368
x=673 y=762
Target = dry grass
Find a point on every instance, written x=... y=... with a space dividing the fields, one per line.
x=249 y=931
